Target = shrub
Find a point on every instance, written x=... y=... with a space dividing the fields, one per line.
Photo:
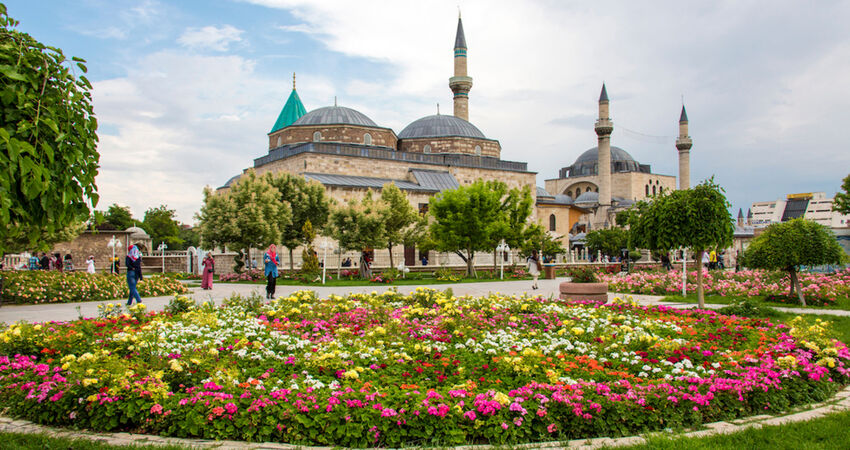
x=582 y=275
x=39 y=286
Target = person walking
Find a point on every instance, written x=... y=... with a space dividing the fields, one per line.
x=69 y=262
x=133 y=261
x=90 y=264
x=209 y=270
x=270 y=261
x=533 y=267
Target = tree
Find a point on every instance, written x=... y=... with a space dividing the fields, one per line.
x=842 y=199
x=467 y=218
x=160 y=224
x=48 y=142
x=537 y=238
x=250 y=215
x=310 y=262
x=308 y=203
x=696 y=218
x=788 y=245
x=119 y=217
x=358 y=225
x=513 y=227
x=399 y=218
x=189 y=236
x=610 y=241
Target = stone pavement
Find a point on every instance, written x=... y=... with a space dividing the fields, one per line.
x=71 y=311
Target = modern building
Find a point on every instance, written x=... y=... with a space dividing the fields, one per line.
x=814 y=206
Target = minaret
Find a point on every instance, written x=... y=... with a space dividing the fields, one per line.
x=740 y=217
x=460 y=83
x=603 y=128
x=684 y=144
x=749 y=217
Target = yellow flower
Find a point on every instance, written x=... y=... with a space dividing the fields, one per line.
x=92 y=398
x=502 y=398
x=577 y=331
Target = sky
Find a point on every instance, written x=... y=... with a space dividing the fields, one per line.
x=186 y=91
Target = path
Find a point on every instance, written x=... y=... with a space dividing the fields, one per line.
x=71 y=311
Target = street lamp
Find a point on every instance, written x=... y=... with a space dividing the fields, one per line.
x=324 y=246
x=502 y=248
x=112 y=244
x=161 y=249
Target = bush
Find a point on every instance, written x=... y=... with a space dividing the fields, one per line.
x=180 y=304
x=748 y=308
x=39 y=286
x=250 y=275
x=446 y=274
x=582 y=274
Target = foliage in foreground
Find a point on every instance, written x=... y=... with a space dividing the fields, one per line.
x=22 y=441
x=418 y=369
x=48 y=142
x=38 y=286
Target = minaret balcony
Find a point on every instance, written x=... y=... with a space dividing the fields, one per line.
x=460 y=83
x=684 y=143
x=604 y=127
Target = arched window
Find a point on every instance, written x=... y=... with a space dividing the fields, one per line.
x=647 y=190
x=317 y=136
x=653 y=190
x=588 y=189
x=551 y=222
x=367 y=139
x=278 y=141
x=569 y=194
x=661 y=189
x=426 y=148
x=477 y=150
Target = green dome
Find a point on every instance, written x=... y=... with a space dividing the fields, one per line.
x=292 y=111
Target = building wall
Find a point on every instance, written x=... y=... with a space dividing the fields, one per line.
x=352 y=134
x=452 y=144
x=94 y=243
x=565 y=218
x=630 y=185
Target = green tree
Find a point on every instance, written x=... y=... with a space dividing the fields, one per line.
x=310 y=261
x=610 y=241
x=250 y=215
x=160 y=224
x=696 y=218
x=842 y=199
x=308 y=203
x=49 y=157
x=189 y=236
x=399 y=218
x=119 y=217
x=358 y=226
x=788 y=245
x=513 y=227
x=467 y=218
x=537 y=238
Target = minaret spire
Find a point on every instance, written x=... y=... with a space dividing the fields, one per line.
x=461 y=82
x=603 y=129
x=293 y=81
x=684 y=144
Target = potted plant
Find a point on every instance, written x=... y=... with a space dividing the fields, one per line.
x=584 y=285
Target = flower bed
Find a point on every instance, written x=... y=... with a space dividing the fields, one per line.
x=248 y=275
x=820 y=289
x=39 y=286
x=422 y=369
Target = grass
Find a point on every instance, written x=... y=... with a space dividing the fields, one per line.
x=829 y=432
x=399 y=282
x=15 y=441
x=842 y=303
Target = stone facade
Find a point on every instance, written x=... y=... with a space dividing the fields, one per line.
x=453 y=144
x=628 y=185
x=347 y=133
x=564 y=218
x=94 y=243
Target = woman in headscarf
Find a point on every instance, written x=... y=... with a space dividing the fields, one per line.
x=209 y=270
x=270 y=261
x=133 y=261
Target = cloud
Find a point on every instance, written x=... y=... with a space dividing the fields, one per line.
x=211 y=37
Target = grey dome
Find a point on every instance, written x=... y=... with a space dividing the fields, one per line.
x=137 y=233
x=587 y=198
x=586 y=163
x=440 y=126
x=332 y=115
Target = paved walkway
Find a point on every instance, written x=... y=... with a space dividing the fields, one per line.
x=71 y=311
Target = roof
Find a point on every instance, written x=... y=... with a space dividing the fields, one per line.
x=137 y=233
x=428 y=181
x=230 y=182
x=588 y=197
x=592 y=155
x=740 y=213
x=334 y=115
x=460 y=39
x=292 y=110
x=684 y=116
x=440 y=126
x=545 y=198
x=603 y=96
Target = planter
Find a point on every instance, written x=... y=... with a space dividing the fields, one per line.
x=597 y=292
x=548 y=271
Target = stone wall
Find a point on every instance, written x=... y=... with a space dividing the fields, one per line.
x=453 y=144
x=94 y=243
x=630 y=185
x=351 y=134
x=565 y=218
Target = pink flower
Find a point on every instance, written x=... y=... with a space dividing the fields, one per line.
x=470 y=415
x=156 y=409
x=552 y=428
x=504 y=426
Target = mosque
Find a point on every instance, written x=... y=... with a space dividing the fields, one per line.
x=350 y=154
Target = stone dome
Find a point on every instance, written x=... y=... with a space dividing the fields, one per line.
x=440 y=126
x=585 y=164
x=587 y=198
x=137 y=233
x=335 y=115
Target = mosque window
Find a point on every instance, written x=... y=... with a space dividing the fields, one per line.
x=647 y=190
x=569 y=193
x=477 y=150
x=551 y=222
x=661 y=189
x=588 y=189
x=653 y=190
x=278 y=141
x=426 y=148
x=367 y=139
x=317 y=136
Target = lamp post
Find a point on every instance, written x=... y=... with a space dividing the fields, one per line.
x=502 y=248
x=112 y=244
x=324 y=247
x=685 y=272
x=161 y=249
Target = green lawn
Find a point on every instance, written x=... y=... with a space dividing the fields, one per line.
x=842 y=303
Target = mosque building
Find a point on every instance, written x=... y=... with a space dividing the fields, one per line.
x=350 y=154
